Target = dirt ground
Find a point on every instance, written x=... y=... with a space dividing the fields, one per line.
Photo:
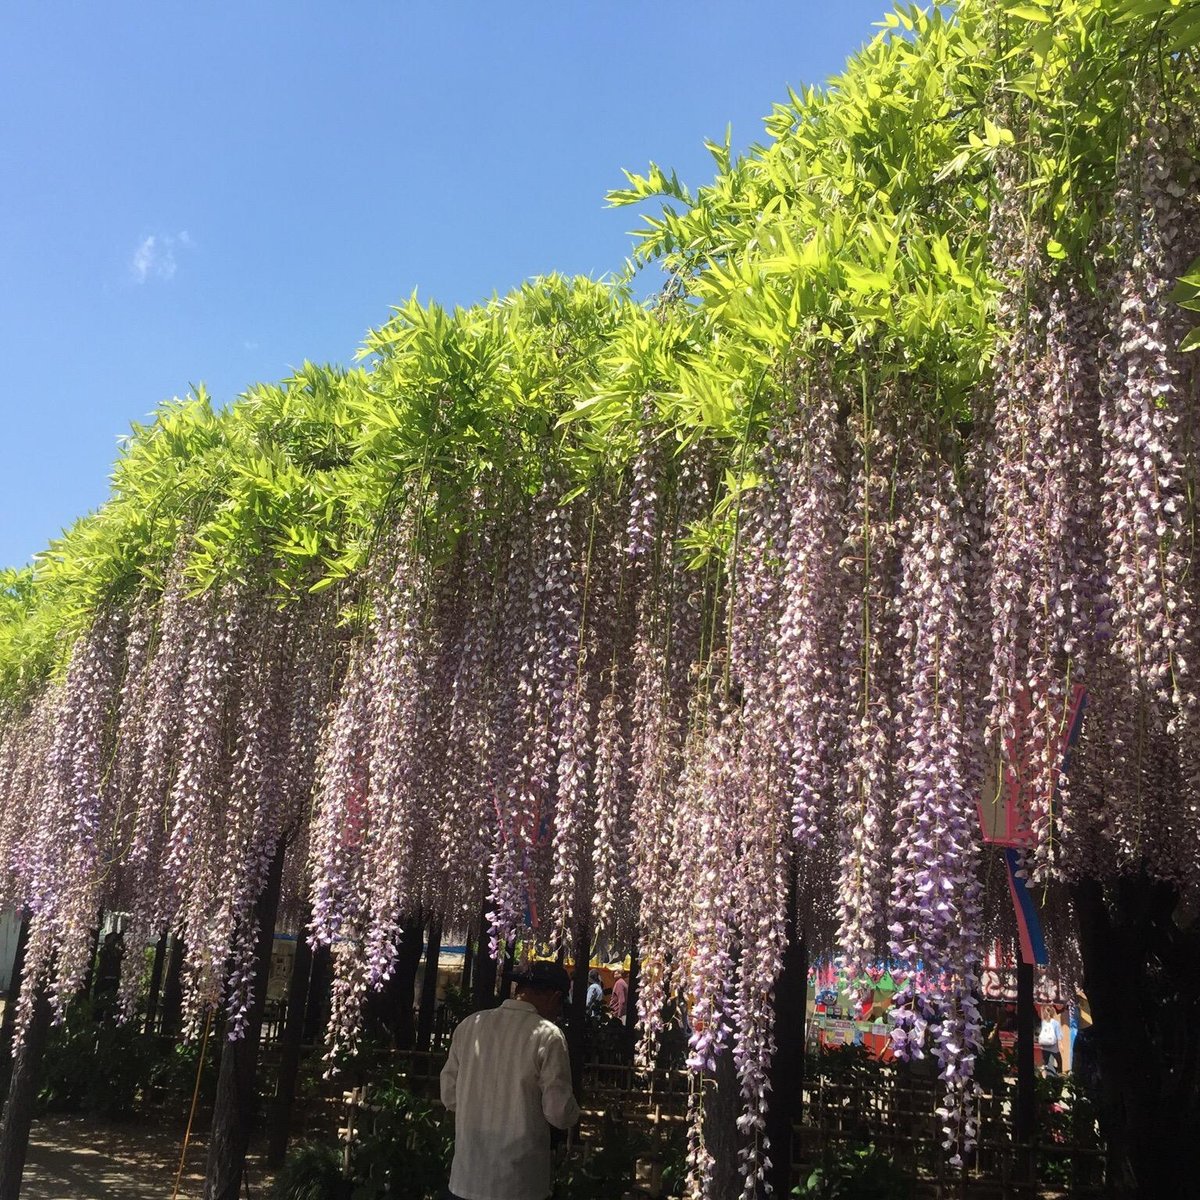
x=77 y=1158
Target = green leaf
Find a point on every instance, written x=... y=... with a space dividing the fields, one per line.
x=1191 y=342
x=954 y=166
x=1028 y=12
x=1131 y=10
x=860 y=280
x=1185 y=33
x=994 y=135
x=1056 y=249
x=1026 y=85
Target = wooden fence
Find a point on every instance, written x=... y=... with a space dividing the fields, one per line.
x=848 y=1104
x=895 y=1110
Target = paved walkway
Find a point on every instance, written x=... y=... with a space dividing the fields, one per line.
x=80 y=1158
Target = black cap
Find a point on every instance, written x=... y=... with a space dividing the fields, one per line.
x=543 y=976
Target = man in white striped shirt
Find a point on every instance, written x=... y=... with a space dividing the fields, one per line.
x=507 y=1081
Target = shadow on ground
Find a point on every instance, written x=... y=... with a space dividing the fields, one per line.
x=77 y=1158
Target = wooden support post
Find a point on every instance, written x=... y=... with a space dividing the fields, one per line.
x=348 y=1135
x=634 y=980
x=22 y=1097
x=722 y=1103
x=405 y=981
x=468 y=963
x=787 y=1068
x=172 y=997
x=510 y=958
x=1025 y=1117
x=425 y=1019
x=85 y=988
x=233 y=1112
x=577 y=1009
x=289 y=1063
x=388 y=1012
x=156 y=976
x=316 y=1008
x=109 y=961
x=483 y=985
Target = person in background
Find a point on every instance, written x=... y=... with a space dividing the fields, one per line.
x=508 y=1081
x=1049 y=1041
x=619 y=999
x=595 y=994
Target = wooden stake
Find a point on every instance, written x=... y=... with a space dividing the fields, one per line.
x=289 y=1063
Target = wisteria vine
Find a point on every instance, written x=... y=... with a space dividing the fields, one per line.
x=664 y=711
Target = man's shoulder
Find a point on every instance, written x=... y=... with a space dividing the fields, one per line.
x=503 y=1017
x=548 y=1032
x=473 y=1021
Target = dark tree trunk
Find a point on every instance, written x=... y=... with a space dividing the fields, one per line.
x=483 y=986
x=233 y=1111
x=577 y=1009
x=172 y=997
x=389 y=1011
x=635 y=982
x=385 y=1015
x=429 y=982
x=108 y=967
x=405 y=981
x=10 y=1005
x=22 y=1096
x=289 y=1062
x=468 y=963
x=1141 y=971
x=631 y=997
x=1025 y=1122
x=510 y=958
x=89 y=975
x=787 y=1067
x=722 y=1103
x=316 y=1007
x=156 y=975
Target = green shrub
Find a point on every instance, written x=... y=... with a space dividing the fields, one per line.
x=1066 y=1119
x=403 y=1148
x=860 y=1173
x=173 y=1069
x=404 y=1145
x=312 y=1172
x=608 y=1170
x=458 y=1004
x=94 y=1064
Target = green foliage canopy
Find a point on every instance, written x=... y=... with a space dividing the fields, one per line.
x=854 y=241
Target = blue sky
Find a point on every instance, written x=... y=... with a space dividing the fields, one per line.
x=214 y=192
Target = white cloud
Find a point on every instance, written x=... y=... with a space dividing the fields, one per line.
x=154 y=257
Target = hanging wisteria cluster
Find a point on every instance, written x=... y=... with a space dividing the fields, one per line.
x=723 y=681
x=935 y=918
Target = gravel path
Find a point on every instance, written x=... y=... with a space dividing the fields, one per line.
x=81 y=1158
